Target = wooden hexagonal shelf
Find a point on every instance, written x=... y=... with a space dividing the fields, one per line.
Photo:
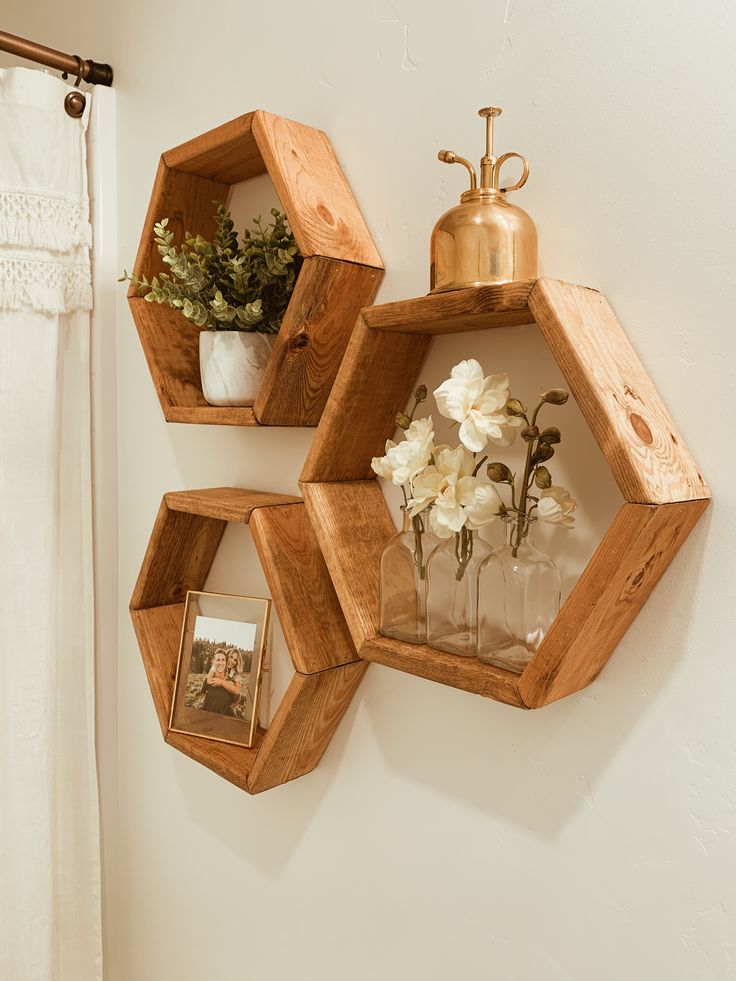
x=664 y=493
x=341 y=272
x=327 y=671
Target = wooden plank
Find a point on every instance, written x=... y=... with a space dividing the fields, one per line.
x=158 y=630
x=228 y=153
x=465 y=673
x=312 y=340
x=374 y=382
x=225 y=503
x=171 y=345
x=180 y=552
x=304 y=724
x=634 y=553
x=312 y=188
x=186 y=200
x=233 y=763
x=305 y=599
x=647 y=457
x=212 y=415
x=456 y=311
x=352 y=524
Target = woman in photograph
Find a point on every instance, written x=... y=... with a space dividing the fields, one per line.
x=220 y=692
x=234 y=674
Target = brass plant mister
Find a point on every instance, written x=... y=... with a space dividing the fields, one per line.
x=485 y=239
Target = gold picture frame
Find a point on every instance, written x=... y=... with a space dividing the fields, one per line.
x=219 y=672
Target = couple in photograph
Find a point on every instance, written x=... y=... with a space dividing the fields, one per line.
x=222 y=688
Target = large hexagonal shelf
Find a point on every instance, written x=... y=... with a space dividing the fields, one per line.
x=663 y=490
x=341 y=272
x=327 y=671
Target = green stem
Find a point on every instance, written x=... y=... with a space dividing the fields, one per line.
x=418 y=526
x=463 y=551
x=521 y=524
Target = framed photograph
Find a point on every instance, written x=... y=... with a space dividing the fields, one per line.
x=220 y=671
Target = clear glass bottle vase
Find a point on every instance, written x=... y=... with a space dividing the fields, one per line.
x=452 y=597
x=519 y=590
x=403 y=592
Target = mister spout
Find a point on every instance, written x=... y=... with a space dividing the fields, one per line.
x=450 y=157
x=490 y=166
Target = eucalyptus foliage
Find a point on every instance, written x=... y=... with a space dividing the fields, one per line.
x=226 y=284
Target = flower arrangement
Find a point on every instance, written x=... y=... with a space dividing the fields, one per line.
x=442 y=485
x=229 y=283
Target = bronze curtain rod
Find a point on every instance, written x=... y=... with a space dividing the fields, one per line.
x=86 y=70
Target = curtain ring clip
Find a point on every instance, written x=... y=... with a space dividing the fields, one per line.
x=75 y=102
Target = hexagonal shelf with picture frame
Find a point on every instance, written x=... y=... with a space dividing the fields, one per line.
x=326 y=669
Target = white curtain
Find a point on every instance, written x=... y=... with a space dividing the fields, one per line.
x=49 y=823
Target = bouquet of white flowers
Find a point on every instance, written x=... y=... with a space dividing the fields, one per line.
x=444 y=484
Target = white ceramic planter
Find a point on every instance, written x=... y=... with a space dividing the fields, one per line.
x=232 y=363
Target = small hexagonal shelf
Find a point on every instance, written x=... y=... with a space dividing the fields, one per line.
x=341 y=272
x=327 y=671
x=663 y=490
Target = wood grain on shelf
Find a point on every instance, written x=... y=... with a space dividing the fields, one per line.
x=304 y=724
x=466 y=673
x=226 y=503
x=186 y=200
x=171 y=345
x=158 y=630
x=180 y=552
x=374 y=382
x=312 y=340
x=227 y=153
x=306 y=603
x=634 y=553
x=647 y=456
x=212 y=415
x=313 y=191
x=352 y=524
x=456 y=310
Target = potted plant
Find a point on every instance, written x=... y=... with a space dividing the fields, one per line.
x=238 y=289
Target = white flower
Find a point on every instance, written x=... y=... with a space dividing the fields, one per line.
x=406 y=459
x=456 y=496
x=484 y=506
x=441 y=485
x=556 y=505
x=479 y=405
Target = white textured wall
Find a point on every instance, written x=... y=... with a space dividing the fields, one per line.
x=444 y=835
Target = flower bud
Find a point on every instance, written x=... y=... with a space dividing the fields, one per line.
x=421 y=393
x=543 y=452
x=515 y=408
x=551 y=435
x=557 y=396
x=499 y=473
x=530 y=433
x=402 y=420
x=542 y=477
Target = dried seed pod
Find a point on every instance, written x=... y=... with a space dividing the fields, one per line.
x=542 y=477
x=515 y=408
x=499 y=473
x=556 y=396
x=550 y=435
x=529 y=433
x=543 y=452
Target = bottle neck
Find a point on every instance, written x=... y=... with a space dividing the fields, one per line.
x=519 y=530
